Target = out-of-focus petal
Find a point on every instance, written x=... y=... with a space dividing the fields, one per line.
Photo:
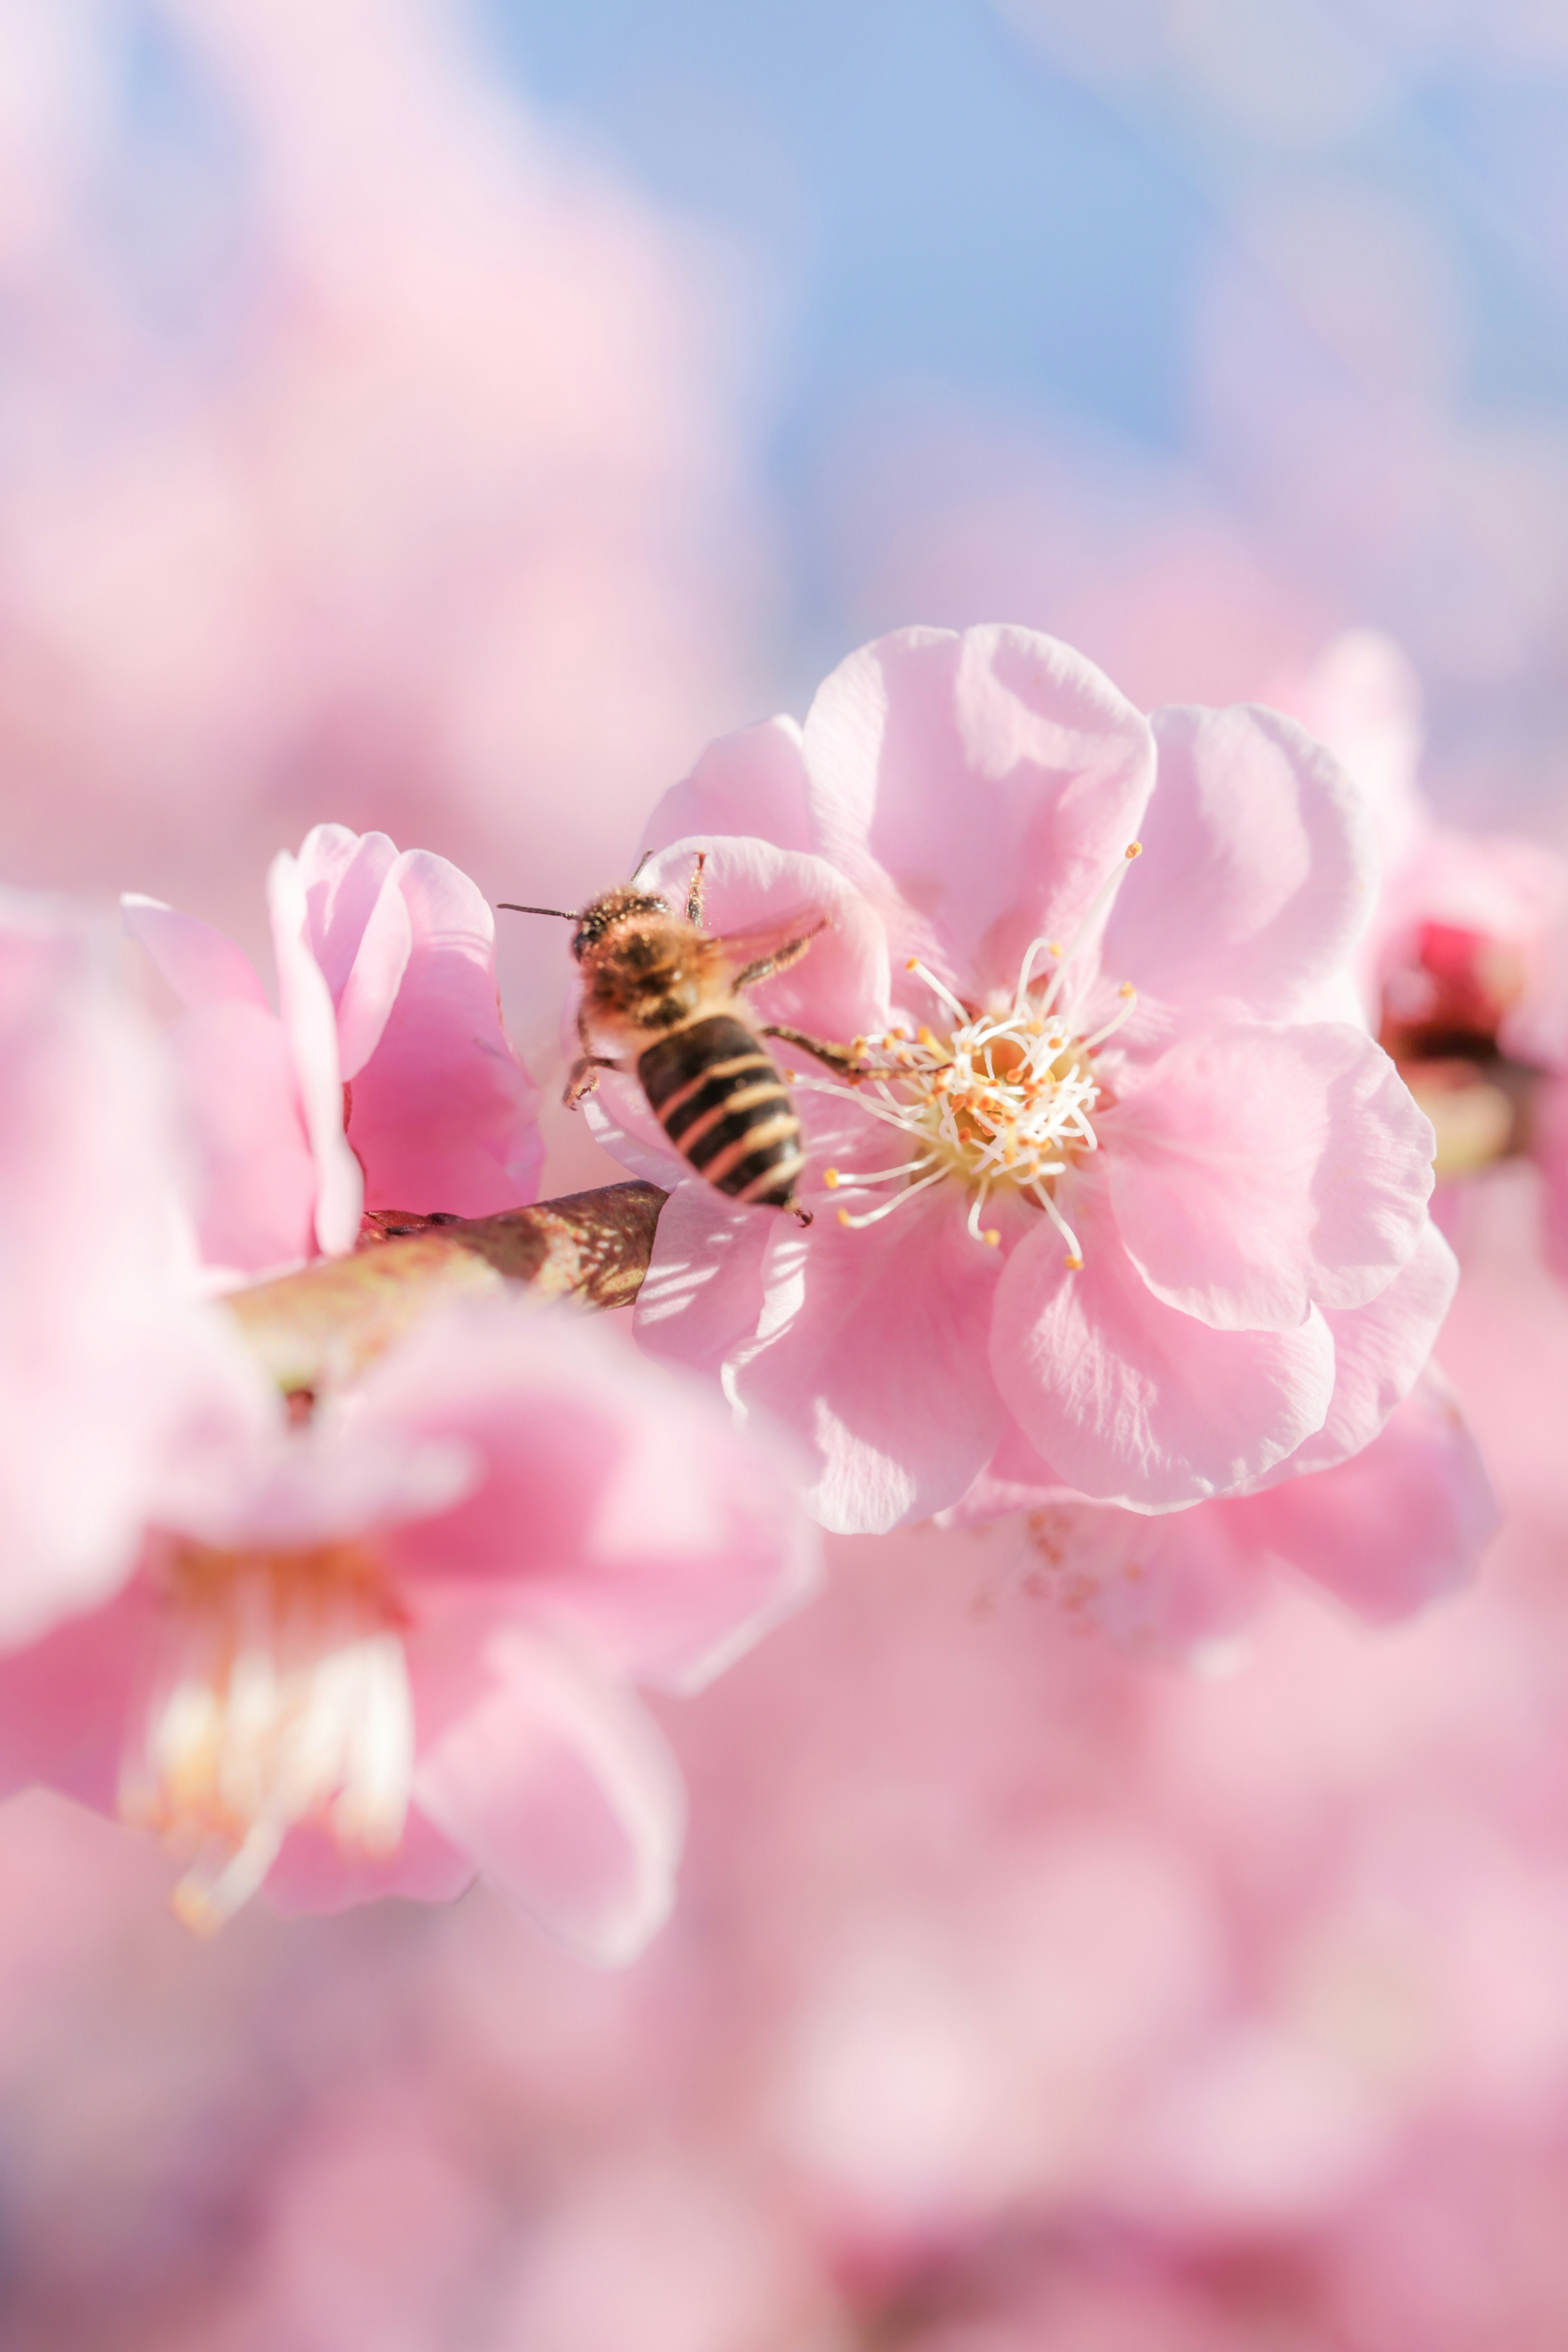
x=1256 y=877
x=66 y=1700
x=979 y=788
x=620 y=1498
x=309 y=1022
x=201 y=965
x=256 y=1176
x=109 y=1364
x=563 y=1792
x=1131 y=1400
x=314 y=1873
x=1254 y=1172
x=1549 y=1147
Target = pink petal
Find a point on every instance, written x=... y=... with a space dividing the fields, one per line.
x=199 y=963
x=702 y=1295
x=872 y=1350
x=257 y=1177
x=1404 y=1522
x=1131 y=1400
x=1255 y=1172
x=443 y=1113
x=66 y=1701
x=315 y=1874
x=563 y=1793
x=619 y=1497
x=1380 y=1351
x=754 y=781
x=108 y=1359
x=1257 y=874
x=979 y=788
x=617 y=1117
x=310 y=1023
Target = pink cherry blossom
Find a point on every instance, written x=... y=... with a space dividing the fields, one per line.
x=1123 y=1179
x=396 y=1648
x=384 y=1080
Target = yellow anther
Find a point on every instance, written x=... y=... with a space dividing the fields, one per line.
x=1054 y=947
x=844 y=1216
x=925 y=1037
x=832 y=1179
x=1073 y=1265
x=913 y=964
x=1134 y=849
x=1127 y=989
x=991 y=1237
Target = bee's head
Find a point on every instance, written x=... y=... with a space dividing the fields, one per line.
x=602 y=915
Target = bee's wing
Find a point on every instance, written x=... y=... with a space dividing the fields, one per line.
x=757 y=941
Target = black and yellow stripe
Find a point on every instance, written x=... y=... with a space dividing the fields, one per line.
x=722 y=1103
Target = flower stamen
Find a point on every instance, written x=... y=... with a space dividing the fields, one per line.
x=1006 y=1100
x=280 y=1695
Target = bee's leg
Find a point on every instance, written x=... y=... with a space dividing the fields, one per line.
x=694 y=895
x=842 y=1058
x=583 y=1077
x=780 y=960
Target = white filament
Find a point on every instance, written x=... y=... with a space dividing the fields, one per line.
x=281 y=1696
x=1003 y=1102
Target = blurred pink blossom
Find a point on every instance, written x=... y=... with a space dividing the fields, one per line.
x=395 y=1647
x=1391 y=1528
x=1233 y=1189
x=1465 y=968
x=386 y=1079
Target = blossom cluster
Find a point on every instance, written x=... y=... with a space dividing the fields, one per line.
x=1113 y=1225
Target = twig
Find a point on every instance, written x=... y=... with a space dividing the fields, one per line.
x=317 y=1328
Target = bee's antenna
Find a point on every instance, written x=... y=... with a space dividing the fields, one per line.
x=638 y=869
x=513 y=907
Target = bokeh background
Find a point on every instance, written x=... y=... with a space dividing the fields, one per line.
x=447 y=418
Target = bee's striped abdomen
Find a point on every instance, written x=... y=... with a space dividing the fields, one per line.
x=722 y=1103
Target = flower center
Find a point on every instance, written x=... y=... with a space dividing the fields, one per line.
x=280 y=1694
x=1004 y=1100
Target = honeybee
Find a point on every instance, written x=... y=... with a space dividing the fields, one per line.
x=665 y=992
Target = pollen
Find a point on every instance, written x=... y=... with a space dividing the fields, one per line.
x=1073 y=1262
x=830 y=1177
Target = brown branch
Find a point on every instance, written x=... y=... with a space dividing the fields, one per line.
x=317 y=1328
